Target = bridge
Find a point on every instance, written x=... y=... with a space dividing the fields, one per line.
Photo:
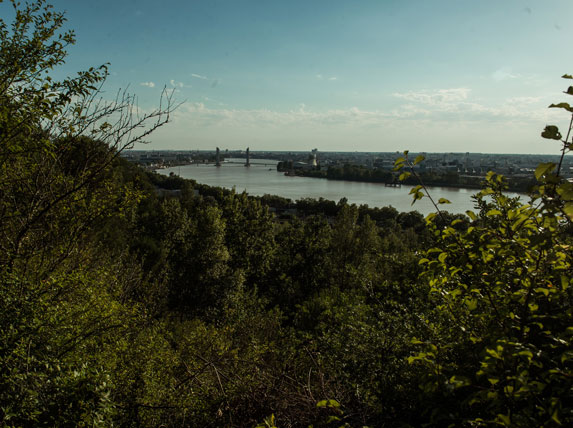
x=252 y=162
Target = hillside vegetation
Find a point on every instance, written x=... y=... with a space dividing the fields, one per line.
x=126 y=303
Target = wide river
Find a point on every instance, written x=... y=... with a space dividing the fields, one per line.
x=263 y=178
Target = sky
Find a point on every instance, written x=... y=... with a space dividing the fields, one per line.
x=379 y=76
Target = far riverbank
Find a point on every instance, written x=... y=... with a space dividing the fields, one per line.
x=263 y=179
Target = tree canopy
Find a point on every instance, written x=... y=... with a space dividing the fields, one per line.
x=124 y=305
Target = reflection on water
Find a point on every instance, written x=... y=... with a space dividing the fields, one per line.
x=263 y=178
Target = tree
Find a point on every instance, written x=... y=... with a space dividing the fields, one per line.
x=61 y=296
x=497 y=347
x=44 y=164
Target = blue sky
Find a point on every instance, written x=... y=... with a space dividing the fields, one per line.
x=442 y=75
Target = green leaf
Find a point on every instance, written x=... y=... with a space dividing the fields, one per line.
x=415 y=189
x=551 y=132
x=404 y=176
x=493 y=212
x=567 y=76
x=459 y=381
x=543 y=168
x=443 y=201
x=471 y=215
x=471 y=304
x=419 y=159
x=328 y=403
x=564 y=106
x=565 y=190
x=569 y=91
x=430 y=217
x=568 y=210
x=555 y=418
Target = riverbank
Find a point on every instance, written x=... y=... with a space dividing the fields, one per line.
x=518 y=184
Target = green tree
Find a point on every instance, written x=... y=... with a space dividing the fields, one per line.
x=63 y=298
x=497 y=348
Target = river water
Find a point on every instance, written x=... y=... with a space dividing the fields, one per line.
x=262 y=178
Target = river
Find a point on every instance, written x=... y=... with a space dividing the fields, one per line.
x=262 y=178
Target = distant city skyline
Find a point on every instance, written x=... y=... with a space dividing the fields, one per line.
x=439 y=76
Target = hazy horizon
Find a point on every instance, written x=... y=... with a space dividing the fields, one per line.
x=441 y=76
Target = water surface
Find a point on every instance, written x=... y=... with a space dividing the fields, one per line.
x=262 y=178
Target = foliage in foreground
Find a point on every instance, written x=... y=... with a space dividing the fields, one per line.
x=122 y=307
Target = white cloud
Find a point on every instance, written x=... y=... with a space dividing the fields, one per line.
x=447 y=119
x=198 y=76
x=457 y=104
x=435 y=97
x=176 y=84
x=148 y=84
x=524 y=100
x=504 y=73
x=322 y=77
x=438 y=106
x=430 y=120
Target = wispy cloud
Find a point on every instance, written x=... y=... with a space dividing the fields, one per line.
x=322 y=77
x=177 y=84
x=425 y=108
x=435 y=97
x=457 y=104
x=454 y=119
x=198 y=114
x=504 y=73
x=198 y=76
x=148 y=84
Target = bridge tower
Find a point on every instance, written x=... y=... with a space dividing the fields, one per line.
x=248 y=163
x=217 y=158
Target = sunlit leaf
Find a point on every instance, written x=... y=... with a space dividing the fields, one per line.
x=471 y=304
x=543 y=168
x=419 y=159
x=565 y=190
x=415 y=189
x=471 y=215
x=568 y=210
x=328 y=403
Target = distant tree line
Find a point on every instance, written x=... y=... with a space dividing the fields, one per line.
x=353 y=172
